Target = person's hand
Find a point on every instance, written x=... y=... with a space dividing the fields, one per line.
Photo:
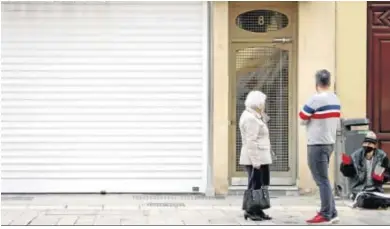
x=274 y=157
x=346 y=159
x=379 y=173
x=256 y=166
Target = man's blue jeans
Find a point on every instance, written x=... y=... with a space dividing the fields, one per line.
x=318 y=161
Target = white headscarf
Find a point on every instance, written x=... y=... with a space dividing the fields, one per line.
x=255 y=100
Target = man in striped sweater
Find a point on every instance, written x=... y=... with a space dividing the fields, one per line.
x=321 y=116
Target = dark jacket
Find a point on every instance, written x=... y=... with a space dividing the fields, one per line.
x=357 y=172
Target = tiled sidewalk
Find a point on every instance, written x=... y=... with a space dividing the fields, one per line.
x=166 y=210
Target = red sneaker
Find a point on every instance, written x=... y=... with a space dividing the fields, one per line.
x=318 y=219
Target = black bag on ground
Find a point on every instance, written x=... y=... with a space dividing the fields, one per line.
x=255 y=199
x=370 y=200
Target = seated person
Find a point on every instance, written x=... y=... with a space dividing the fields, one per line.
x=367 y=168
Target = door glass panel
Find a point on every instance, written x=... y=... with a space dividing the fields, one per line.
x=265 y=69
x=262 y=21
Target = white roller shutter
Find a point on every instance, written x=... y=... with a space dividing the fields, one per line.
x=104 y=96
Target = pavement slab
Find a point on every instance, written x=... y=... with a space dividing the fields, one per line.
x=125 y=212
x=67 y=220
x=134 y=221
x=7 y=217
x=25 y=218
x=84 y=207
x=164 y=219
x=45 y=220
x=85 y=220
x=68 y=212
x=107 y=220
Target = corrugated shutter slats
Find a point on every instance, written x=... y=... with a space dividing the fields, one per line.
x=102 y=96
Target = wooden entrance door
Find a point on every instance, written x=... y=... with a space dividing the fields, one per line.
x=378 y=75
x=262 y=57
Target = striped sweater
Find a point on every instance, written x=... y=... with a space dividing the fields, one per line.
x=321 y=115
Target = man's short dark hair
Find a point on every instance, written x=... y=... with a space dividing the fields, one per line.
x=323 y=78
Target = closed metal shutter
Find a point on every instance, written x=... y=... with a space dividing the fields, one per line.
x=104 y=96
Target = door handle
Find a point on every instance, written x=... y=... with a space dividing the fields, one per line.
x=282 y=40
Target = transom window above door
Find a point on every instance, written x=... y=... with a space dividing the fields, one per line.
x=262 y=21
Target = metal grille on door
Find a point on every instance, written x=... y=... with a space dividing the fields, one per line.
x=265 y=69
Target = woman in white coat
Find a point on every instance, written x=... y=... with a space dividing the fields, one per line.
x=256 y=154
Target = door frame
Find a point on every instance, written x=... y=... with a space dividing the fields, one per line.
x=371 y=75
x=277 y=178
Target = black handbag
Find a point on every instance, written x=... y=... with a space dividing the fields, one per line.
x=255 y=199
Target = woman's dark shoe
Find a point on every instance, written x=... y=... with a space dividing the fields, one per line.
x=264 y=216
x=252 y=217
